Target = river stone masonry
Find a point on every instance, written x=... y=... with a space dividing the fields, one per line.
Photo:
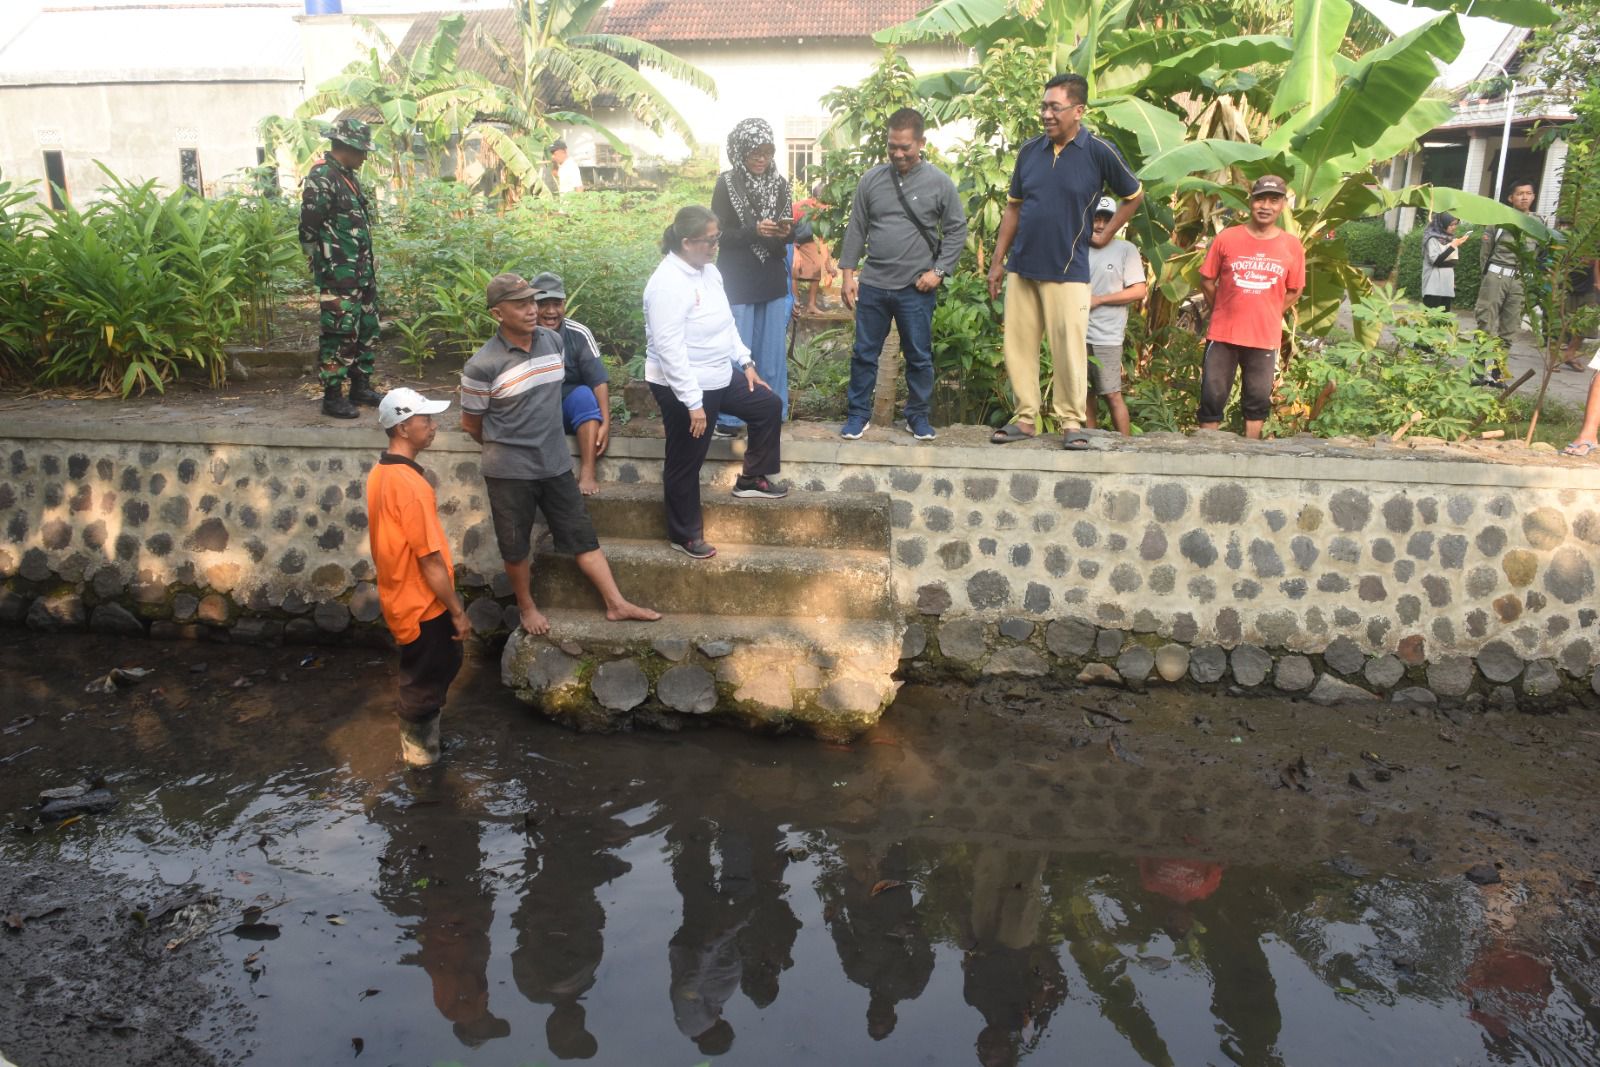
x=1392 y=569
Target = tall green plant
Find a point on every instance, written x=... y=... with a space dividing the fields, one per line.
x=559 y=56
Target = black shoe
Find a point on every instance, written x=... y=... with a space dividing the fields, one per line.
x=334 y=405
x=727 y=433
x=361 y=391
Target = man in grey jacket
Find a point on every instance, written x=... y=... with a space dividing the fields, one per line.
x=909 y=221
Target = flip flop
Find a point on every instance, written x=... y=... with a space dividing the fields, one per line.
x=1579 y=449
x=1075 y=440
x=1009 y=433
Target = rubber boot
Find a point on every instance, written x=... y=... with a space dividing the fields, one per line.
x=419 y=742
x=361 y=390
x=334 y=405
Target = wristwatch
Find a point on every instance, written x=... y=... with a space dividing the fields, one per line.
x=940 y=273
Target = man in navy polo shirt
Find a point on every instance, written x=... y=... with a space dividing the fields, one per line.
x=1047 y=229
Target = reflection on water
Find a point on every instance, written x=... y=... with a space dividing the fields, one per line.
x=929 y=896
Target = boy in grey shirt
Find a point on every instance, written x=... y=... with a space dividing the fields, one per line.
x=511 y=405
x=1116 y=280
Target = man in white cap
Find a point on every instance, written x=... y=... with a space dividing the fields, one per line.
x=1116 y=280
x=416 y=577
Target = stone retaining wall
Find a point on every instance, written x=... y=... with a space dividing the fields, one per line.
x=1468 y=574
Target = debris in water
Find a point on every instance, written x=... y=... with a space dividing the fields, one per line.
x=75 y=800
x=1295 y=774
x=1483 y=874
x=241 y=682
x=884 y=885
x=357 y=1044
x=116 y=678
x=256 y=932
x=1348 y=867
x=311 y=662
x=1107 y=713
x=1355 y=780
x=365 y=993
x=1115 y=746
x=1488 y=815
x=14 y=922
x=1367 y=818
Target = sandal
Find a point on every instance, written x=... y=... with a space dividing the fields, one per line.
x=1075 y=440
x=1009 y=433
x=1580 y=449
x=1573 y=364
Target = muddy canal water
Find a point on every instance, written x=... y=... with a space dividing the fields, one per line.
x=995 y=875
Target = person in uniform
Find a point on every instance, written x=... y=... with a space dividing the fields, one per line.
x=336 y=236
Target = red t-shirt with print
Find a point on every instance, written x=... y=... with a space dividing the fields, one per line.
x=1253 y=275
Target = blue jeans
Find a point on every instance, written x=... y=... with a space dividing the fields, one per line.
x=764 y=328
x=912 y=315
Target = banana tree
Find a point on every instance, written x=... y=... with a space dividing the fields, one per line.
x=415 y=95
x=557 y=57
x=1337 y=119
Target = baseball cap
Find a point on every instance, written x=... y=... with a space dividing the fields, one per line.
x=1269 y=185
x=549 y=286
x=508 y=287
x=1106 y=206
x=400 y=404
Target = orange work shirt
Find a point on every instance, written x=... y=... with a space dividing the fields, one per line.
x=402 y=527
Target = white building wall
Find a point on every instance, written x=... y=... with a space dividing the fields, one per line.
x=1555 y=161
x=137 y=130
x=329 y=43
x=782 y=82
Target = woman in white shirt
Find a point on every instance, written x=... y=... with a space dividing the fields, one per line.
x=691 y=349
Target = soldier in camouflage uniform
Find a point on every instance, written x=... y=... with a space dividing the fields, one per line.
x=336 y=237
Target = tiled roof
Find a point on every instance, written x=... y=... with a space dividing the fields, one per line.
x=659 y=21
x=474 y=54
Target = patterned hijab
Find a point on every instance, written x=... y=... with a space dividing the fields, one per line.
x=755 y=197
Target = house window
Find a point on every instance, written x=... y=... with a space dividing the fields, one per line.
x=189 y=170
x=802 y=156
x=55 y=176
x=605 y=155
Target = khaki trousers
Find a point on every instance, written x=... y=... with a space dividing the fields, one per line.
x=1499 y=307
x=1059 y=313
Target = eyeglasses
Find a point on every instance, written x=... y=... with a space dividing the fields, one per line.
x=714 y=239
x=1056 y=109
x=760 y=153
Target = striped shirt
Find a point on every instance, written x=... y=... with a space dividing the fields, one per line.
x=518 y=393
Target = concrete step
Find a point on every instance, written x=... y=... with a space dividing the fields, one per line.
x=741 y=580
x=831 y=678
x=802 y=520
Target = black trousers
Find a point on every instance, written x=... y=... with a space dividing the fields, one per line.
x=1256 y=367
x=427 y=667
x=761 y=411
x=1438 y=302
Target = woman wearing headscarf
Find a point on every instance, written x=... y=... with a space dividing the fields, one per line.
x=752 y=205
x=691 y=349
x=1441 y=249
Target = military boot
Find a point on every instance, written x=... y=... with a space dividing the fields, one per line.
x=361 y=390
x=334 y=405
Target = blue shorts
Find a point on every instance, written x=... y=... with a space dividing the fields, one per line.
x=579 y=407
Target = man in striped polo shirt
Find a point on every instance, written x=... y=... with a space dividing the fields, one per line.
x=511 y=405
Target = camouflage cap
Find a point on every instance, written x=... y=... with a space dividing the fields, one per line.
x=352 y=133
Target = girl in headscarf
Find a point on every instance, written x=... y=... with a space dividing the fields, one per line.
x=1441 y=248
x=752 y=204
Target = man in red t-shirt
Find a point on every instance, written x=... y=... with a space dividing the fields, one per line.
x=1252 y=274
x=416 y=578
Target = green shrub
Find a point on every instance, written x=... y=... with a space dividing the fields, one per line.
x=1408 y=270
x=136 y=288
x=1369 y=243
x=1420 y=377
x=438 y=247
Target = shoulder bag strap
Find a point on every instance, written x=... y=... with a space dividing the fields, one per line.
x=933 y=244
